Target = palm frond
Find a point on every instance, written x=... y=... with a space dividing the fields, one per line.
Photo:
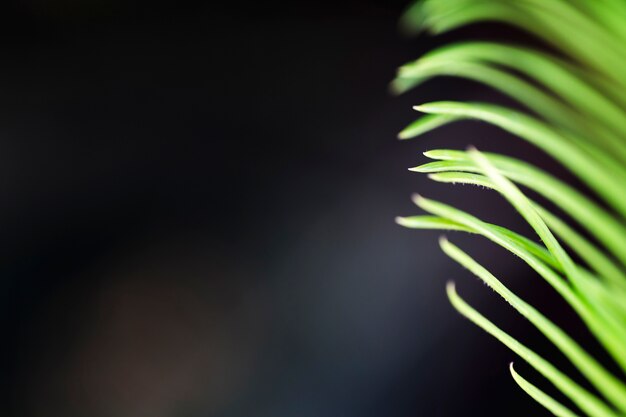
x=575 y=111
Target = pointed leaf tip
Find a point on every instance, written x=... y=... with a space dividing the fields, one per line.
x=394 y=89
x=400 y=220
x=417 y=199
x=419 y=168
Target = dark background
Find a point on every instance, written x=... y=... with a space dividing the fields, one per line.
x=196 y=217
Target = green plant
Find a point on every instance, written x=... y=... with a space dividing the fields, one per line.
x=575 y=111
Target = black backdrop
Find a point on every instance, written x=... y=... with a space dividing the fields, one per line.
x=196 y=207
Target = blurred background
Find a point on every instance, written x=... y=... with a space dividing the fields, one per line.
x=197 y=209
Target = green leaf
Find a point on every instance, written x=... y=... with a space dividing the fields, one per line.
x=586 y=401
x=425 y=124
x=553 y=21
x=607 y=179
x=487 y=62
x=569 y=83
x=609 y=333
x=542 y=398
x=606 y=383
x=573 y=99
x=588 y=214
